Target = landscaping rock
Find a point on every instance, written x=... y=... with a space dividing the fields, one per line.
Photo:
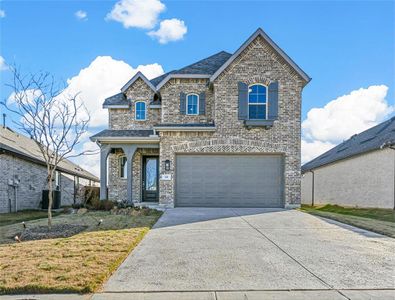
x=57 y=231
x=81 y=211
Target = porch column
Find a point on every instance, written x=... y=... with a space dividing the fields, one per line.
x=129 y=150
x=104 y=151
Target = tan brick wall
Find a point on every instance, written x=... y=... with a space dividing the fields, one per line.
x=117 y=186
x=170 y=93
x=125 y=118
x=257 y=64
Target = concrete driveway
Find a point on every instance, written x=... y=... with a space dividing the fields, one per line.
x=215 y=249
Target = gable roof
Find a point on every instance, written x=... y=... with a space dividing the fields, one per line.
x=260 y=32
x=210 y=67
x=374 y=138
x=201 y=69
x=134 y=78
x=27 y=148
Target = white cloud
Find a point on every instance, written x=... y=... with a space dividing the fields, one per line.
x=343 y=117
x=3 y=65
x=313 y=149
x=81 y=15
x=103 y=78
x=2 y=13
x=169 y=30
x=348 y=114
x=136 y=13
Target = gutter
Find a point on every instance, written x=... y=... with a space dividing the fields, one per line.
x=183 y=128
x=312 y=188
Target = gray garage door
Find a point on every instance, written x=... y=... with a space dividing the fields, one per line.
x=229 y=180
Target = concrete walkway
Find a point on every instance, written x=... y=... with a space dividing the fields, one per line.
x=213 y=249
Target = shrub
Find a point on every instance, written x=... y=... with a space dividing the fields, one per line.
x=96 y=204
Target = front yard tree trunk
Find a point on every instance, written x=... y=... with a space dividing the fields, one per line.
x=50 y=198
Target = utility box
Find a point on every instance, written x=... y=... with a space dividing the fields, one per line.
x=55 y=199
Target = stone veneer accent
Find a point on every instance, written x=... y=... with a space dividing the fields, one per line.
x=258 y=63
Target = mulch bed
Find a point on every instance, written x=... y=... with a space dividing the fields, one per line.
x=57 y=231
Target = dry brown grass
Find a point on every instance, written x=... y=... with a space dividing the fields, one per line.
x=76 y=264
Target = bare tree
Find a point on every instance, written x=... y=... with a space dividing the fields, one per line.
x=55 y=120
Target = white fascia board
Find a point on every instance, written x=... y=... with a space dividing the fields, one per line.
x=134 y=78
x=271 y=43
x=150 y=139
x=115 y=106
x=170 y=76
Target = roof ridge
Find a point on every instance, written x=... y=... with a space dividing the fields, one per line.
x=208 y=57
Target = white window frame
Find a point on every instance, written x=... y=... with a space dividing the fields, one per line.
x=197 y=104
x=135 y=111
x=256 y=104
x=125 y=173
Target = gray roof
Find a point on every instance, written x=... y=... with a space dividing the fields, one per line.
x=118 y=99
x=372 y=139
x=25 y=147
x=206 y=66
x=123 y=133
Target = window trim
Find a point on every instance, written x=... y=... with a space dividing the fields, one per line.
x=145 y=111
x=120 y=160
x=256 y=104
x=197 y=104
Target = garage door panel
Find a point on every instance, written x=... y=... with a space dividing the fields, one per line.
x=229 y=180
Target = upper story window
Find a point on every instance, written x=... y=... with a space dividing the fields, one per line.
x=257 y=102
x=192 y=104
x=141 y=111
x=123 y=167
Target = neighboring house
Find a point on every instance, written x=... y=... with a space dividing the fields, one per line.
x=358 y=172
x=23 y=175
x=222 y=132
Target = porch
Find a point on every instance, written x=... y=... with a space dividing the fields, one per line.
x=129 y=166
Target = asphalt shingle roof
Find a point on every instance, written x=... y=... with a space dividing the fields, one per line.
x=26 y=147
x=372 y=139
x=205 y=66
x=123 y=133
x=118 y=99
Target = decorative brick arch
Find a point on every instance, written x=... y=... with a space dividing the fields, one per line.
x=227 y=145
x=258 y=79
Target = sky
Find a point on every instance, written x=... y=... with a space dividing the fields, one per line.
x=346 y=47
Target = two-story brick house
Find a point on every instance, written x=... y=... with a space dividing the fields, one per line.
x=222 y=132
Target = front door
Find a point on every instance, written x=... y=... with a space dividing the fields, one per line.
x=150 y=179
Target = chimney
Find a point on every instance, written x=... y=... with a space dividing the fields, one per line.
x=4 y=115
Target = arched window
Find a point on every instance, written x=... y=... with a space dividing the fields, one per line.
x=192 y=104
x=140 y=113
x=257 y=102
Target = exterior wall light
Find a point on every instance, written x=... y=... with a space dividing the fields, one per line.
x=167 y=165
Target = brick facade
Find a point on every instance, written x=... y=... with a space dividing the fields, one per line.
x=258 y=63
x=32 y=178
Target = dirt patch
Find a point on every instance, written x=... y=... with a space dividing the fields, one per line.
x=57 y=231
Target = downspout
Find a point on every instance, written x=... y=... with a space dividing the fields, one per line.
x=312 y=188
x=393 y=148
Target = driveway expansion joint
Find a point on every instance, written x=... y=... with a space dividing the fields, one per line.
x=290 y=256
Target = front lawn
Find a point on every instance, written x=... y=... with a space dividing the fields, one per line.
x=374 y=219
x=80 y=263
x=23 y=215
